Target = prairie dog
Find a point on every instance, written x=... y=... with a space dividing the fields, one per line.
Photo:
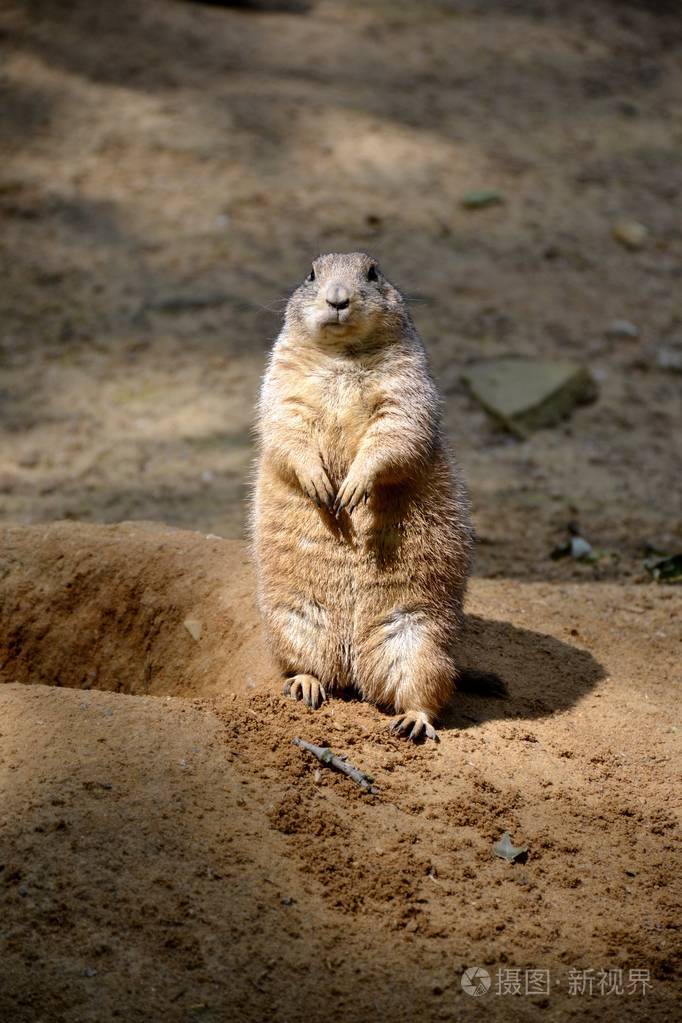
x=361 y=526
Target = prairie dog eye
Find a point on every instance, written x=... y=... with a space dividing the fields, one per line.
x=311 y=276
x=372 y=274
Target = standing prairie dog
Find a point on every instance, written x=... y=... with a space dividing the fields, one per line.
x=360 y=521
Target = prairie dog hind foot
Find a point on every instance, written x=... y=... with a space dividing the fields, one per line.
x=414 y=725
x=306 y=688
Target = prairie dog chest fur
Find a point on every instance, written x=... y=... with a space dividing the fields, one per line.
x=343 y=399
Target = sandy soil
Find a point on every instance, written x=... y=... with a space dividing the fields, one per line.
x=167 y=171
x=170 y=858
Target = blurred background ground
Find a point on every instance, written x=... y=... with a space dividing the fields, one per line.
x=169 y=169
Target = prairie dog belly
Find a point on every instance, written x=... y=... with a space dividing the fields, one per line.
x=307 y=582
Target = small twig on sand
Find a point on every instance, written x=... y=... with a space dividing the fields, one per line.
x=339 y=763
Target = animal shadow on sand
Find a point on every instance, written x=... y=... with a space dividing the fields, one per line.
x=542 y=674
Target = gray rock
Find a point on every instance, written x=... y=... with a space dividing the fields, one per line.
x=622 y=328
x=481 y=198
x=630 y=234
x=580 y=548
x=527 y=394
x=194 y=627
x=669 y=358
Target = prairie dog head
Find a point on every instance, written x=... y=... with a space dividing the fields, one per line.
x=345 y=300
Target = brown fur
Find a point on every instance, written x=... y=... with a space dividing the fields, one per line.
x=360 y=522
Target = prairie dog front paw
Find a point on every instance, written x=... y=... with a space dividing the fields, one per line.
x=356 y=487
x=315 y=483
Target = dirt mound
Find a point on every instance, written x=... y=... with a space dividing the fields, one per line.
x=132 y=608
x=142 y=608
x=181 y=859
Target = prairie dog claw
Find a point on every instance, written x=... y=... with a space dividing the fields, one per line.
x=356 y=487
x=414 y=725
x=316 y=485
x=306 y=688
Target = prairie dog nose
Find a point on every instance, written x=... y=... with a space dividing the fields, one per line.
x=337 y=295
